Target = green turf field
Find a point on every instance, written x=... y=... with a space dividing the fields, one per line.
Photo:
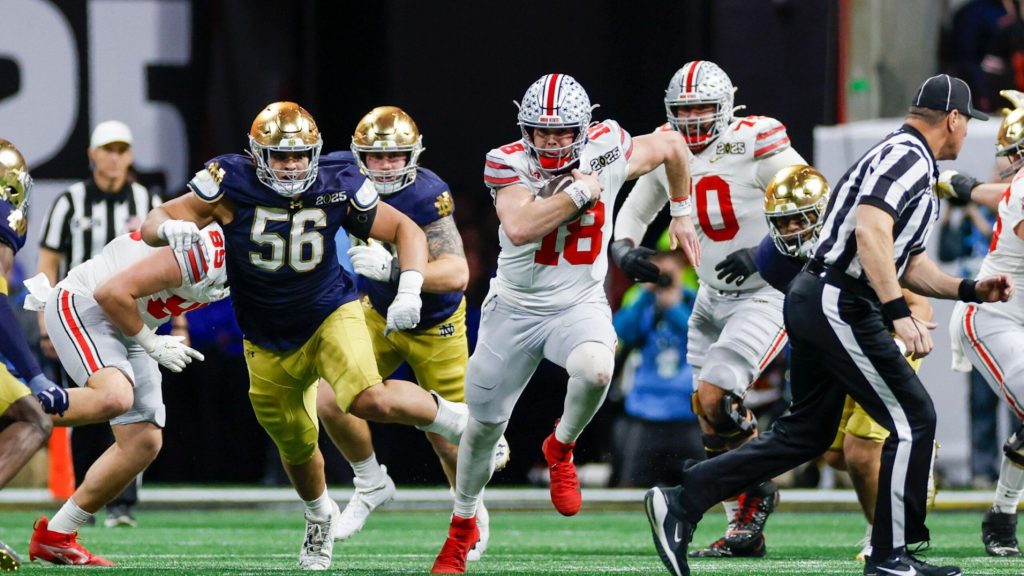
x=522 y=544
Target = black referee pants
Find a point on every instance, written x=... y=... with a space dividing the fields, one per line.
x=840 y=345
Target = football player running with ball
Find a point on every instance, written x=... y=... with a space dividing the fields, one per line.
x=548 y=299
x=735 y=331
x=386 y=146
x=297 y=307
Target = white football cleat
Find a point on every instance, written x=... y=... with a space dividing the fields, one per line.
x=865 y=545
x=363 y=501
x=318 y=546
x=502 y=454
x=483 y=524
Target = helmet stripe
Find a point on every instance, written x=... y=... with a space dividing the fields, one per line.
x=692 y=76
x=552 y=90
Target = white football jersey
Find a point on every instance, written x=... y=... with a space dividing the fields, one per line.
x=569 y=264
x=728 y=179
x=1006 y=252
x=158 y=308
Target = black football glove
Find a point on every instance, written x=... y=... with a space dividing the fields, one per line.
x=737 y=267
x=634 y=261
x=954 y=185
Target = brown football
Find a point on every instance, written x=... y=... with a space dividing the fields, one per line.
x=558 y=184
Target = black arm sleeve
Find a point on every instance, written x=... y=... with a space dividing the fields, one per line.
x=359 y=222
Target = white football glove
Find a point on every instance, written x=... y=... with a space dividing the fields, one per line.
x=404 y=312
x=179 y=234
x=373 y=261
x=168 y=351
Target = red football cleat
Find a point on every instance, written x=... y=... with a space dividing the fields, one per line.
x=59 y=548
x=565 y=485
x=462 y=535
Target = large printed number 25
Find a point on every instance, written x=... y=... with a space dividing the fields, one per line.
x=547 y=254
x=730 y=226
x=303 y=249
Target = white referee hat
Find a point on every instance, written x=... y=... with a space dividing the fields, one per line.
x=109 y=132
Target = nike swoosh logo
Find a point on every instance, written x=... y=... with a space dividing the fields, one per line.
x=678 y=536
x=908 y=572
x=67 y=554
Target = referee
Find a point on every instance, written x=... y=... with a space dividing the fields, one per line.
x=841 y=315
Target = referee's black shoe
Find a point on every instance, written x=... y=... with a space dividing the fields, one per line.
x=671 y=530
x=903 y=563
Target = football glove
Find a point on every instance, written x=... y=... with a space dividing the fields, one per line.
x=375 y=262
x=737 y=267
x=953 y=184
x=634 y=261
x=53 y=398
x=404 y=312
x=179 y=234
x=168 y=351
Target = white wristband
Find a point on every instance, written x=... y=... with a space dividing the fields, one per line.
x=145 y=338
x=410 y=282
x=681 y=207
x=579 y=193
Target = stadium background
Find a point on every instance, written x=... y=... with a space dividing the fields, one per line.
x=189 y=76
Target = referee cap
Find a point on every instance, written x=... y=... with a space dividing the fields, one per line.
x=946 y=93
x=109 y=132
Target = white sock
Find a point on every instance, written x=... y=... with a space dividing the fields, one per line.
x=319 y=508
x=731 y=508
x=69 y=518
x=476 y=464
x=1009 y=488
x=590 y=366
x=368 y=473
x=450 y=420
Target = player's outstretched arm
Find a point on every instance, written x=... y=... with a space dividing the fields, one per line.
x=180 y=219
x=117 y=295
x=526 y=218
x=390 y=225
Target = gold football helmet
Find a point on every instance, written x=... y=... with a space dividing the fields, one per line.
x=285 y=127
x=15 y=181
x=388 y=129
x=794 y=202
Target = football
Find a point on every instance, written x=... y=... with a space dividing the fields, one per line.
x=558 y=184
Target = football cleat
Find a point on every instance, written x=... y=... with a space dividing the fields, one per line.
x=565 y=484
x=120 y=515
x=721 y=549
x=865 y=547
x=999 y=533
x=906 y=564
x=483 y=525
x=9 y=559
x=60 y=548
x=755 y=506
x=672 y=533
x=318 y=545
x=462 y=535
x=363 y=502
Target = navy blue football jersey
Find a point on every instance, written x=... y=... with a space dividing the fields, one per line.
x=13 y=226
x=282 y=262
x=426 y=200
x=776 y=268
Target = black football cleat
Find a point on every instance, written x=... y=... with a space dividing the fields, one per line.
x=906 y=564
x=721 y=549
x=755 y=505
x=999 y=533
x=672 y=533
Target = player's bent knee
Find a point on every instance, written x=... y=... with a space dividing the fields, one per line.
x=592 y=363
x=373 y=404
x=732 y=422
x=27 y=410
x=835 y=459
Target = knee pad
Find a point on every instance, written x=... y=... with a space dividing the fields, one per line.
x=591 y=362
x=1014 y=447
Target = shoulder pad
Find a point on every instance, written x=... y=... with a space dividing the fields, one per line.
x=365 y=197
x=666 y=127
x=498 y=167
x=768 y=134
x=605 y=131
x=206 y=183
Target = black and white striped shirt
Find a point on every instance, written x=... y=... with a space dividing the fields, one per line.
x=84 y=219
x=896 y=175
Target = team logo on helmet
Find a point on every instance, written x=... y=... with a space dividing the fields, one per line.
x=280 y=128
x=555 y=101
x=15 y=185
x=794 y=202
x=700 y=83
x=388 y=129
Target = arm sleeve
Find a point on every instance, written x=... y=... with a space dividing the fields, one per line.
x=648 y=197
x=12 y=343
x=56 y=228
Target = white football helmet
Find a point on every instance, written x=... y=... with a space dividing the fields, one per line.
x=555 y=101
x=285 y=127
x=700 y=83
